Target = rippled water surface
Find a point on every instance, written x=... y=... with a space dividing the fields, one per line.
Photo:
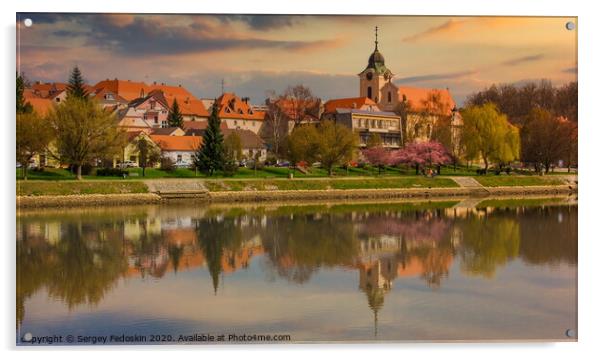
x=441 y=270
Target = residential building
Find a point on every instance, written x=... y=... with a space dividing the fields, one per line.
x=387 y=125
x=177 y=148
x=237 y=113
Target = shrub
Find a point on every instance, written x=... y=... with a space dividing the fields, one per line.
x=167 y=164
x=111 y=172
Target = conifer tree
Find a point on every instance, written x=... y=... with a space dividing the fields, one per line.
x=175 y=118
x=76 y=88
x=22 y=105
x=210 y=155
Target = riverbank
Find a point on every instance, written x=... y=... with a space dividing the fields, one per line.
x=40 y=194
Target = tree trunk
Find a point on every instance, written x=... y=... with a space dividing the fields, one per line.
x=486 y=164
x=329 y=171
x=416 y=169
x=24 y=170
x=143 y=171
x=79 y=172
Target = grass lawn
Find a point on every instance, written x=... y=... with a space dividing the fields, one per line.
x=499 y=181
x=309 y=184
x=62 y=188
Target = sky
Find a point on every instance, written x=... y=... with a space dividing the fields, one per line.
x=254 y=54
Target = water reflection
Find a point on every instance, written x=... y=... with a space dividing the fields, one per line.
x=77 y=257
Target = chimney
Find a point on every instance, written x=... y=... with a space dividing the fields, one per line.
x=179 y=85
x=154 y=82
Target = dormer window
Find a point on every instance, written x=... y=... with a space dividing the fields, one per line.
x=109 y=96
x=240 y=111
x=250 y=112
x=153 y=104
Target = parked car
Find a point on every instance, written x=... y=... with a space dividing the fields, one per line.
x=182 y=164
x=128 y=164
x=283 y=164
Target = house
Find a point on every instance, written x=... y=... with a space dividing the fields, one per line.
x=197 y=128
x=131 y=151
x=145 y=113
x=168 y=131
x=252 y=145
x=387 y=125
x=191 y=108
x=238 y=114
x=177 y=148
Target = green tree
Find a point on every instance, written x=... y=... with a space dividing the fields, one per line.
x=32 y=138
x=336 y=145
x=76 y=87
x=210 y=155
x=148 y=153
x=84 y=132
x=22 y=105
x=233 y=146
x=303 y=144
x=487 y=135
x=175 y=118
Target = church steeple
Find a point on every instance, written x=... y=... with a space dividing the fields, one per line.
x=376 y=38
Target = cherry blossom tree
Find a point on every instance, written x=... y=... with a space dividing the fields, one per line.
x=378 y=156
x=422 y=155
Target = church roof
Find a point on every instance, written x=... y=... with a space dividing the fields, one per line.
x=420 y=99
x=376 y=61
x=350 y=102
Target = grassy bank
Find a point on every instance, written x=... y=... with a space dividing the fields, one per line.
x=500 y=181
x=327 y=184
x=243 y=173
x=63 y=188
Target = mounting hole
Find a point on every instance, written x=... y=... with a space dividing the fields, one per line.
x=28 y=22
x=570 y=25
x=570 y=333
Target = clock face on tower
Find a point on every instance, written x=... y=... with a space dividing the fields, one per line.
x=369 y=75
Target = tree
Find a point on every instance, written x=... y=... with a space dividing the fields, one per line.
x=275 y=126
x=232 y=153
x=300 y=102
x=32 y=138
x=148 y=153
x=210 y=155
x=22 y=105
x=545 y=139
x=421 y=154
x=336 y=145
x=488 y=135
x=76 y=87
x=302 y=145
x=175 y=118
x=84 y=132
x=377 y=156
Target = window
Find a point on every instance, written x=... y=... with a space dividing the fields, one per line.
x=164 y=124
x=389 y=96
x=153 y=104
x=179 y=158
x=58 y=99
x=369 y=91
x=156 y=119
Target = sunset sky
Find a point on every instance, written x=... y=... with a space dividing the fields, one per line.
x=253 y=54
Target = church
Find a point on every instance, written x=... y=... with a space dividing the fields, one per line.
x=399 y=114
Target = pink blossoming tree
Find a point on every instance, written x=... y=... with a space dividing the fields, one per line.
x=378 y=156
x=422 y=155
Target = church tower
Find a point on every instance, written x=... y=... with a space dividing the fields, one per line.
x=376 y=75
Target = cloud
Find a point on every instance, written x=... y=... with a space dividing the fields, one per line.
x=523 y=59
x=570 y=70
x=264 y=22
x=446 y=27
x=435 y=77
x=159 y=35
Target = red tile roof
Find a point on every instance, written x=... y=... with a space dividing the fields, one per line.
x=129 y=90
x=232 y=106
x=351 y=102
x=177 y=143
x=417 y=96
x=41 y=106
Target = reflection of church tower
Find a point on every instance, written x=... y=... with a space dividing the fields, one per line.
x=375 y=280
x=375 y=75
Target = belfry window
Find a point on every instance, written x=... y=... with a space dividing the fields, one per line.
x=370 y=92
x=389 y=96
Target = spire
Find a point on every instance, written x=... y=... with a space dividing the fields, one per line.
x=376 y=38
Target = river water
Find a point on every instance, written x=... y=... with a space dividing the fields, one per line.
x=441 y=270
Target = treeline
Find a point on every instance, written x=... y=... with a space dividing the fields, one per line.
x=545 y=116
x=517 y=101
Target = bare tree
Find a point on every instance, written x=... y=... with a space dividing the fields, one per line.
x=300 y=103
x=275 y=126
